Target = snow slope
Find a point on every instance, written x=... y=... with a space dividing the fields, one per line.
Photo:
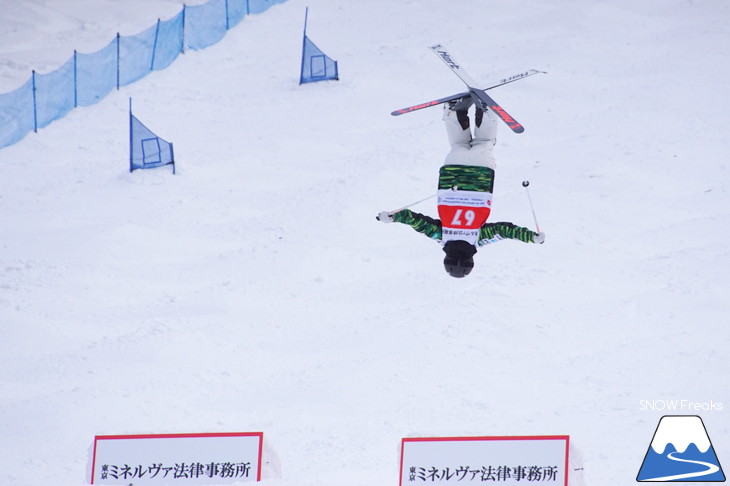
x=254 y=290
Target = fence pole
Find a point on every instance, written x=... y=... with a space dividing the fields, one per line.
x=35 y=106
x=228 y=27
x=76 y=82
x=154 y=47
x=118 y=40
x=131 y=146
x=183 y=29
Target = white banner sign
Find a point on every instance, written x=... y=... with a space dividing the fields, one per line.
x=216 y=458
x=495 y=460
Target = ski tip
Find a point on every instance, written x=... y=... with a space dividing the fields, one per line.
x=418 y=107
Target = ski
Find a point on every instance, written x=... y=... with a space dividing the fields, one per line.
x=513 y=78
x=420 y=106
x=479 y=94
x=446 y=99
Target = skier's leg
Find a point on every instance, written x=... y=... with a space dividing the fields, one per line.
x=485 y=136
x=458 y=132
x=457 y=126
x=486 y=126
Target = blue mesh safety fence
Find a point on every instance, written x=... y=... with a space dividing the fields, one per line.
x=86 y=79
x=135 y=55
x=258 y=6
x=16 y=114
x=207 y=24
x=169 y=41
x=236 y=12
x=96 y=74
x=54 y=94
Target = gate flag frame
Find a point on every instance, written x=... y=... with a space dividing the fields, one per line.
x=316 y=65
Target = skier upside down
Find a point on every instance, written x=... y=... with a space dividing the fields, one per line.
x=466 y=181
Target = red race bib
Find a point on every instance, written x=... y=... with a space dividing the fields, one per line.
x=462 y=213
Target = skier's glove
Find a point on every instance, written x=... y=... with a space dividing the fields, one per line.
x=385 y=217
x=539 y=237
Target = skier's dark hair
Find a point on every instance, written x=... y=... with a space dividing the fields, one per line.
x=459 y=260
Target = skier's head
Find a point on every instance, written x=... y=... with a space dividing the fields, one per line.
x=459 y=260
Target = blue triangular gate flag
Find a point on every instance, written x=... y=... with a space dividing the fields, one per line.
x=146 y=149
x=316 y=65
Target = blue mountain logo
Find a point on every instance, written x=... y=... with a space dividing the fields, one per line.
x=681 y=451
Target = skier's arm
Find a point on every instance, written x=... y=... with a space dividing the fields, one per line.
x=491 y=232
x=423 y=224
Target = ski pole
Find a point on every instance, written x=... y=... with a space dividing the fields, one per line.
x=525 y=184
x=413 y=203
x=419 y=201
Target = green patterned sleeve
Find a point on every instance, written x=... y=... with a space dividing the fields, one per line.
x=419 y=222
x=493 y=232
